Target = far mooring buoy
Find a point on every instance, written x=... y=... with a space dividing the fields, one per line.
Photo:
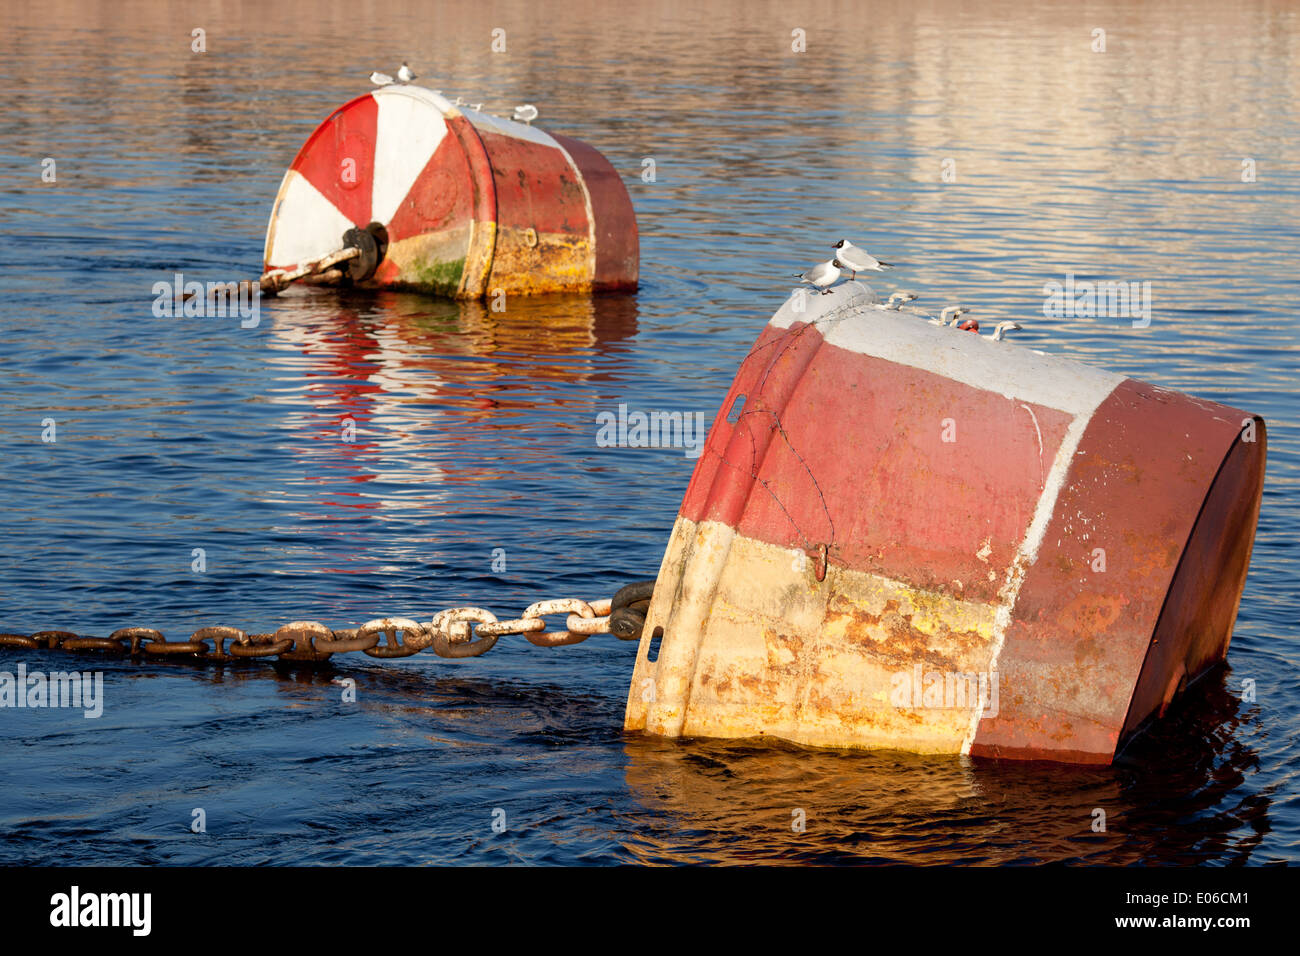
x=460 y=203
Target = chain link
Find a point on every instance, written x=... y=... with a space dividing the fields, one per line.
x=277 y=280
x=456 y=632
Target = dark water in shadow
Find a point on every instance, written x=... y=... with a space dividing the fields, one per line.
x=476 y=430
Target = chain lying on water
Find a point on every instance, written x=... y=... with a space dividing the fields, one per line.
x=455 y=632
x=323 y=269
x=320 y=272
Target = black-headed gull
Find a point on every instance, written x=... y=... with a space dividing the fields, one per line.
x=381 y=79
x=821 y=275
x=405 y=74
x=858 y=260
x=525 y=114
x=955 y=311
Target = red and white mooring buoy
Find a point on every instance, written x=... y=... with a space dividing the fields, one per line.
x=901 y=535
x=460 y=203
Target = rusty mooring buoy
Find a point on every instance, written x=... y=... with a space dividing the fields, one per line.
x=460 y=203
x=901 y=535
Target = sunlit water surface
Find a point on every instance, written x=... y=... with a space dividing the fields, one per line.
x=476 y=430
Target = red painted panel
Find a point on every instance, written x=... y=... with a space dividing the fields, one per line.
x=535 y=186
x=1196 y=622
x=871 y=474
x=1079 y=636
x=618 y=254
x=723 y=478
x=442 y=196
x=347 y=134
x=480 y=167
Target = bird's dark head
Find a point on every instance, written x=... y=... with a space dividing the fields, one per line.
x=841 y=244
x=837 y=264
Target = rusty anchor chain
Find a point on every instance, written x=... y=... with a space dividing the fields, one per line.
x=455 y=632
x=321 y=271
x=357 y=260
x=360 y=255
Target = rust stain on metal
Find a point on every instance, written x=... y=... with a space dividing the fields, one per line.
x=828 y=663
x=965 y=610
x=527 y=262
x=495 y=205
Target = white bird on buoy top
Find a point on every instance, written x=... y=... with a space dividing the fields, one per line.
x=821 y=275
x=381 y=79
x=525 y=114
x=405 y=74
x=858 y=260
x=1002 y=328
x=900 y=299
x=950 y=311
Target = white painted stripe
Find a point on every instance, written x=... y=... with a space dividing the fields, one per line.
x=850 y=318
x=420 y=94
x=307 y=225
x=275 y=218
x=409 y=129
x=1027 y=553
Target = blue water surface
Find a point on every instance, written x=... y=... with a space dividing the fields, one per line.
x=476 y=431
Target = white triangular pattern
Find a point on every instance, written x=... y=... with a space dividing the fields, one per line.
x=409 y=131
x=307 y=225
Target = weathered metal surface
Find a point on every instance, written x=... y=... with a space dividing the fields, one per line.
x=470 y=205
x=618 y=256
x=1091 y=654
x=893 y=542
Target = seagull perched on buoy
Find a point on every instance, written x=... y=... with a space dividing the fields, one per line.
x=858 y=260
x=900 y=299
x=381 y=79
x=525 y=114
x=822 y=275
x=405 y=74
x=1004 y=327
